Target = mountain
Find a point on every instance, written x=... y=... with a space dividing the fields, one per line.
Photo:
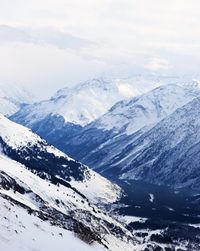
x=49 y=200
x=109 y=143
x=44 y=193
x=169 y=153
x=70 y=109
x=78 y=105
x=12 y=98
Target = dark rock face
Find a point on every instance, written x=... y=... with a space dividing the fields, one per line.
x=36 y=158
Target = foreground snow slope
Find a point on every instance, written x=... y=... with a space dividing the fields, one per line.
x=22 y=231
x=38 y=180
x=33 y=208
x=27 y=148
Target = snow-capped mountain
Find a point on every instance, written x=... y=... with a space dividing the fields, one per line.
x=12 y=98
x=44 y=191
x=88 y=100
x=106 y=142
x=169 y=153
x=79 y=105
x=72 y=108
x=146 y=110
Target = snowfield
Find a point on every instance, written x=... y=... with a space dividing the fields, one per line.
x=22 y=231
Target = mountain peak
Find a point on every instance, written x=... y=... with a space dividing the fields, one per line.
x=147 y=109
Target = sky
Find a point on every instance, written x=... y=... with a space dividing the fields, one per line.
x=49 y=44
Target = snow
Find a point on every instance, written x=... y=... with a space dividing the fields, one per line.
x=129 y=219
x=98 y=189
x=16 y=135
x=95 y=186
x=151 y=199
x=49 y=193
x=20 y=231
x=148 y=109
x=83 y=103
x=12 y=97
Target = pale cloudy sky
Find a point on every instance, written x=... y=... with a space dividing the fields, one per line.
x=48 y=44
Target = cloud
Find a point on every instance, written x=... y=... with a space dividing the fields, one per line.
x=42 y=36
x=57 y=42
x=157 y=64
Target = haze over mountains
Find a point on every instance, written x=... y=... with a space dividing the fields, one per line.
x=12 y=98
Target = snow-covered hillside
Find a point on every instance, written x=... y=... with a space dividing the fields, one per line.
x=39 y=183
x=33 y=208
x=12 y=98
x=26 y=147
x=21 y=231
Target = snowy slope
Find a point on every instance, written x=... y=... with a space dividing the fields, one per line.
x=12 y=98
x=80 y=104
x=26 y=147
x=147 y=109
x=39 y=183
x=26 y=232
x=33 y=208
x=169 y=152
x=89 y=100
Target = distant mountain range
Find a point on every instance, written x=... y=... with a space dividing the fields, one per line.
x=114 y=143
x=87 y=101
